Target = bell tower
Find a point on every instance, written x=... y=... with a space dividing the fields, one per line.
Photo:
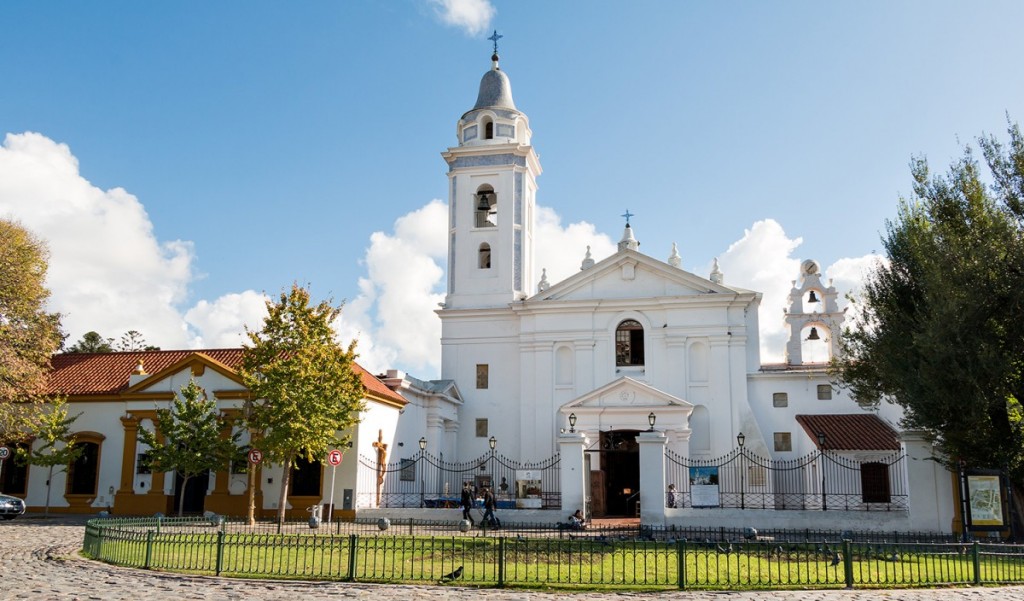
x=492 y=183
x=813 y=318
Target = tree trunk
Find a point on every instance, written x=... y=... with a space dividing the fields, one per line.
x=283 y=501
x=49 y=480
x=181 y=497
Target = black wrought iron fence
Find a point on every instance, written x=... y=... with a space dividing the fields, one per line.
x=426 y=480
x=821 y=480
x=583 y=558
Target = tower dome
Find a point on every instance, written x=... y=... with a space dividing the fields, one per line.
x=495 y=89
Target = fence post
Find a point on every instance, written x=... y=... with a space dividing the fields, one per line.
x=848 y=563
x=501 y=561
x=976 y=560
x=352 y=540
x=220 y=551
x=149 y=548
x=681 y=563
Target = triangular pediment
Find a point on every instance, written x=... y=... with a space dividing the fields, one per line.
x=626 y=393
x=630 y=274
x=195 y=363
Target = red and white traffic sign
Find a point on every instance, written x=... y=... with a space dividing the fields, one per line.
x=334 y=457
x=255 y=456
x=5 y=453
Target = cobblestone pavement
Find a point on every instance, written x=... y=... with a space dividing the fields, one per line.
x=39 y=561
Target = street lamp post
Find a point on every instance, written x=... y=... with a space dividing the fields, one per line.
x=821 y=460
x=423 y=471
x=492 y=442
x=740 y=439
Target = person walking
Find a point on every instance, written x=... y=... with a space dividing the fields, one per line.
x=489 y=506
x=467 y=503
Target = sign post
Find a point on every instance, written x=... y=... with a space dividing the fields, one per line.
x=334 y=458
x=4 y=454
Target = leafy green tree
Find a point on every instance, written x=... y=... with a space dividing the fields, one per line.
x=303 y=388
x=192 y=441
x=942 y=330
x=58 y=447
x=29 y=335
x=92 y=342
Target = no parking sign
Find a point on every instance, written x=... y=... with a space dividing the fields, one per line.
x=334 y=457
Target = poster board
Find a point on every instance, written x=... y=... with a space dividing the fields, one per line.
x=985 y=500
x=704 y=487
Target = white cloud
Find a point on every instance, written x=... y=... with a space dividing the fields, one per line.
x=761 y=260
x=222 y=323
x=562 y=250
x=393 y=316
x=108 y=272
x=473 y=16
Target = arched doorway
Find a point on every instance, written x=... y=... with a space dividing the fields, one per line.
x=620 y=472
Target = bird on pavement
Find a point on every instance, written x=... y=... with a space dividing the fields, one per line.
x=453 y=575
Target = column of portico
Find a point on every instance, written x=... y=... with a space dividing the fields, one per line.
x=572 y=471
x=652 y=477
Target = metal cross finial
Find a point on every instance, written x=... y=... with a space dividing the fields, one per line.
x=627 y=215
x=494 y=38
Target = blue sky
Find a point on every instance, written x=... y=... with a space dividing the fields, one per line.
x=181 y=159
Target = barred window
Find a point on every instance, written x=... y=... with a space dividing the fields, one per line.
x=824 y=392
x=783 y=441
x=780 y=399
x=481 y=428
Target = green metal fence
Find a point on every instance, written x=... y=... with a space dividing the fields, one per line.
x=582 y=560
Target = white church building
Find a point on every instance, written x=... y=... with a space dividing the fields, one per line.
x=633 y=388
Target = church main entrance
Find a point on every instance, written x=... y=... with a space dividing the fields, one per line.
x=620 y=471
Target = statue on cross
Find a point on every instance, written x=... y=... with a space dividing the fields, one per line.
x=382 y=457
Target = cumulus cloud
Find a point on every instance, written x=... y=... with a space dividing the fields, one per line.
x=108 y=272
x=762 y=261
x=392 y=318
x=222 y=323
x=472 y=16
x=561 y=250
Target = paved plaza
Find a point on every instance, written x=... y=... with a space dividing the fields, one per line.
x=39 y=561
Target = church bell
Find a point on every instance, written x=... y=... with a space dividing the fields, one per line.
x=813 y=298
x=814 y=334
x=483 y=205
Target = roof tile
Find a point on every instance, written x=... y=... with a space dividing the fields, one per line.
x=856 y=432
x=102 y=374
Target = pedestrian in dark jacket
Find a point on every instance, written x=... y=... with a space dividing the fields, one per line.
x=467 y=503
x=489 y=506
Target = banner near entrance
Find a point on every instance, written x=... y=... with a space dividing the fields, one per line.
x=985 y=501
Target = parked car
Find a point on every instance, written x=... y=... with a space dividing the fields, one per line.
x=11 y=507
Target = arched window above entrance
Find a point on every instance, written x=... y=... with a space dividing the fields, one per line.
x=629 y=343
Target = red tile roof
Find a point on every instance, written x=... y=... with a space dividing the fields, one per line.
x=857 y=432
x=99 y=374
